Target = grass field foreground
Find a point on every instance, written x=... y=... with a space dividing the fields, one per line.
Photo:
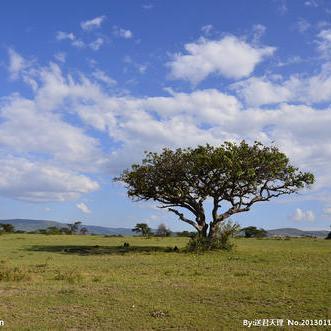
x=88 y=283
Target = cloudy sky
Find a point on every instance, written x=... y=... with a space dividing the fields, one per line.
x=88 y=86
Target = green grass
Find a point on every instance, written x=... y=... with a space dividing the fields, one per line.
x=88 y=283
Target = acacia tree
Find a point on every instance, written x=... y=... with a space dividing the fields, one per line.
x=142 y=228
x=234 y=176
x=8 y=228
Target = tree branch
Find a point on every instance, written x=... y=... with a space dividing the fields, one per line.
x=184 y=219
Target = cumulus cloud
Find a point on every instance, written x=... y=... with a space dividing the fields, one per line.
x=79 y=43
x=257 y=91
x=92 y=24
x=230 y=57
x=122 y=33
x=301 y=215
x=83 y=208
x=38 y=126
x=96 y=44
x=61 y=36
x=37 y=181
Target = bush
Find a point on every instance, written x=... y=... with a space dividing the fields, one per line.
x=221 y=241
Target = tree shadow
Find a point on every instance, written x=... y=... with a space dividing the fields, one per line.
x=100 y=250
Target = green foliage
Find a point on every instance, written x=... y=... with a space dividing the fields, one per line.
x=53 y=230
x=221 y=239
x=144 y=229
x=189 y=234
x=7 y=228
x=254 y=232
x=83 y=231
x=238 y=175
x=328 y=236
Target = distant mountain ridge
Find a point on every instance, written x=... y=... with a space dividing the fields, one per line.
x=33 y=225
x=293 y=232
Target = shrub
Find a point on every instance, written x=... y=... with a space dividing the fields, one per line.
x=222 y=239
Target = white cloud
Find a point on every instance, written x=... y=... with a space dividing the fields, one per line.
x=60 y=35
x=38 y=127
x=206 y=29
x=302 y=25
x=79 y=43
x=92 y=24
x=103 y=77
x=96 y=44
x=83 y=208
x=305 y=89
x=16 y=63
x=36 y=181
x=324 y=43
x=302 y=215
x=229 y=57
x=61 y=57
x=122 y=33
x=258 y=31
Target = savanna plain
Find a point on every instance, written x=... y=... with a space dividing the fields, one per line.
x=60 y=282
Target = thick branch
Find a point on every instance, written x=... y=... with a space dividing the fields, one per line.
x=184 y=219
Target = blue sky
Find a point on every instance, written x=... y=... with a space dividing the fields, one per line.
x=88 y=86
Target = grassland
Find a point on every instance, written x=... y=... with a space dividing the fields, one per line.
x=87 y=283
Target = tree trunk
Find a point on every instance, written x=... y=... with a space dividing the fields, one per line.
x=203 y=232
x=212 y=231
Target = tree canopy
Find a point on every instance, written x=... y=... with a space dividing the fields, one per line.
x=234 y=176
x=142 y=228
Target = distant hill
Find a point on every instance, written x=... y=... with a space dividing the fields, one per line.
x=33 y=225
x=293 y=232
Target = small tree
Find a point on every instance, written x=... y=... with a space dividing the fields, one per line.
x=83 y=231
x=7 y=228
x=53 y=230
x=254 y=232
x=163 y=231
x=233 y=176
x=142 y=228
x=74 y=227
x=222 y=240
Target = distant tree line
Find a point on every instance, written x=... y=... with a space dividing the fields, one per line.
x=70 y=229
